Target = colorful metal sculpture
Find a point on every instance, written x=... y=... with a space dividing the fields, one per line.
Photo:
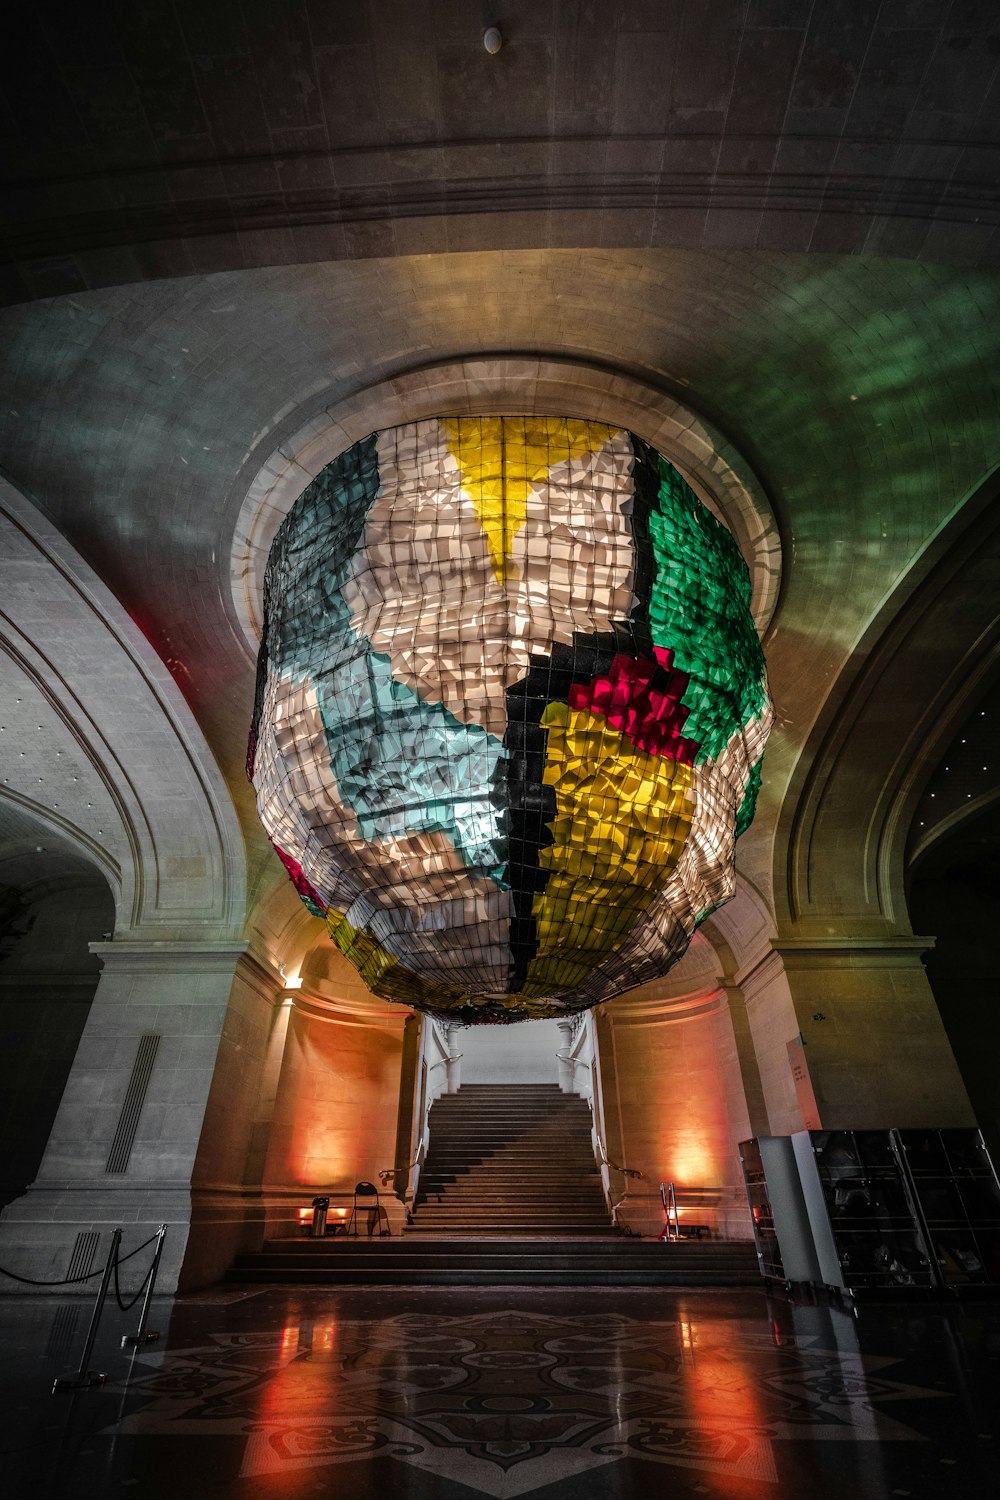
x=510 y=712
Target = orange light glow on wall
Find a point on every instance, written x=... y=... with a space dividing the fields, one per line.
x=334 y=1120
x=693 y=1165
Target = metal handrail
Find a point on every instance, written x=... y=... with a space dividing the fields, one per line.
x=627 y=1173
x=386 y=1174
x=442 y=1062
x=568 y=1057
x=607 y=1162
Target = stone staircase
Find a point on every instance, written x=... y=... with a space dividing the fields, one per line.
x=509 y=1195
x=510 y=1159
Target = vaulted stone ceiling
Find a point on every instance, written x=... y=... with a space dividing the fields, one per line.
x=863 y=392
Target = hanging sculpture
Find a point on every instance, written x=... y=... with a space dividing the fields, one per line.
x=510 y=712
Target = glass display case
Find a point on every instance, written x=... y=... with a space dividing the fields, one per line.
x=867 y=1234
x=957 y=1200
x=875 y=1210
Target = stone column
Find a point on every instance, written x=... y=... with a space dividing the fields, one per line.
x=773 y=1025
x=746 y=1057
x=873 y=1043
x=406 y=1124
x=566 y=1069
x=123 y=1148
x=270 y=1075
x=453 y=1067
x=228 y=1212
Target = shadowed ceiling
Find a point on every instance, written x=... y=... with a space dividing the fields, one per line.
x=166 y=137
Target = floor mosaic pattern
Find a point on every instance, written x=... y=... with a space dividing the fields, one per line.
x=455 y=1394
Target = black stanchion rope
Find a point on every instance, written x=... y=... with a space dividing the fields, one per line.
x=142 y=1287
x=73 y=1280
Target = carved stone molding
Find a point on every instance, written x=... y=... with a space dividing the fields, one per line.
x=355 y=1011
x=667 y=1011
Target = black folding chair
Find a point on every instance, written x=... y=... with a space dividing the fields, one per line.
x=366 y=1199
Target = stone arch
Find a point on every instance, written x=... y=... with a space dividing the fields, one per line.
x=103 y=753
x=103 y=749
x=954 y=895
x=926 y=657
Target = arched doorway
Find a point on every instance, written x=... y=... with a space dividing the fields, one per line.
x=53 y=904
x=954 y=897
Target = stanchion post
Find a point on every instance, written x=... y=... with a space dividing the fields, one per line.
x=132 y=1340
x=85 y=1377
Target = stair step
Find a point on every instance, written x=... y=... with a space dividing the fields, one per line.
x=564 y=1166
x=427 y=1214
x=601 y=1260
x=575 y=1201
x=558 y=1223
x=613 y=1246
x=514 y=1193
x=525 y=1260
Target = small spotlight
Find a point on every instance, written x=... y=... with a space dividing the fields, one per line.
x=492 y=40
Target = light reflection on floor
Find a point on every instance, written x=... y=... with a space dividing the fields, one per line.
x=446 y=1394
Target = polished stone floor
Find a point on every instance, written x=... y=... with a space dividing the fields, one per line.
x=576 y=1394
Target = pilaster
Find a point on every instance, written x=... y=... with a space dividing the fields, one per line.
x=874 y=1045
x=123 y=1146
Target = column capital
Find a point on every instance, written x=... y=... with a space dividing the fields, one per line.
x=836 y=951
x=144 y=956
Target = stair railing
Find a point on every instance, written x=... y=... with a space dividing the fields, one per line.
x=412 y=1169
x=438 y=1073
x=627 y=1175
x=579 y=1073
x=568 y=1072
x=575 y=1057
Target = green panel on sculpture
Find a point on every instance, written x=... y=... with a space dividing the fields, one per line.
x=700 y=607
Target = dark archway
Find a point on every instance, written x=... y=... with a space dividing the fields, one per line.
x=53 y=904
x=954 y=896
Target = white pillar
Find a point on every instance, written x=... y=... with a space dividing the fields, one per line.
x=566 y=1070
